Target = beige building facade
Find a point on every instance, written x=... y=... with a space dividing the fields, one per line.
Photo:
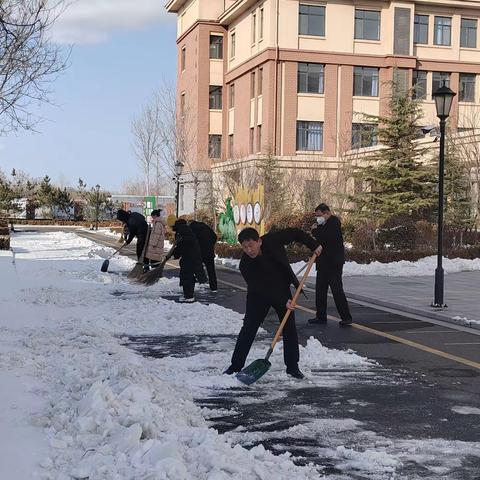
x=293 y=78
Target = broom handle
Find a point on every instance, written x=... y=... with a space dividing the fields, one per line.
x=294 y=301
x=116 y=251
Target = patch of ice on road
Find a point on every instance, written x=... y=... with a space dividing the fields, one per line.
x=465 y=410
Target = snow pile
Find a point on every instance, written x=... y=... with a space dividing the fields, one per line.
x=424 y=266
x=315 y=355
x=106 y=411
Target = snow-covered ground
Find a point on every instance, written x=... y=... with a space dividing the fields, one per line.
x=76 y=403
x=84 y=406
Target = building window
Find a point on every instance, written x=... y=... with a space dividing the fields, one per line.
x=183 y=55
x=419 y=84
x=260 y=81
x=309 y=136
x=232 y=45
x=440 y=79
x=420 y=32
x=364 y=135
x=215 y=98
x=443 y=31
x=259 y=138
x=367 y=25
x=214 y=146
x=311 y=20
x=310 y=78
x=231 y=96
x=365 y=82
x=260 y=25
x=467 y=87
x=252 y=85
x=230 y=145
x=254 y=27
x=216 y=47
x=182 y=104
x=468 y=33
x=252 y=140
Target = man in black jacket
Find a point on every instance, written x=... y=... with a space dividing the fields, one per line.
x=206 y=239
x=328 y=232
x=136 y=226
x=191 y=267
x=265 y=267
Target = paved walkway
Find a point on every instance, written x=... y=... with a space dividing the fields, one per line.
x=415 y=294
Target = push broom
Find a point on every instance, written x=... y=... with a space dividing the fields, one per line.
x=260 y=367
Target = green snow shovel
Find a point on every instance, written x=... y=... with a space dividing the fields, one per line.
x=260 y=367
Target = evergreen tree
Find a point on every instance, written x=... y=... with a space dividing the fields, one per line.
x=458 y=213
x=46 y=195
x=7 y=197
x=273 y=181
x=62 y=200
x=396 y=180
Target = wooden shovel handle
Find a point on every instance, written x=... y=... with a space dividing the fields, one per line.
x=294 y=301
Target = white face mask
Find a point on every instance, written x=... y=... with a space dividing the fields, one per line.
x=321 y=220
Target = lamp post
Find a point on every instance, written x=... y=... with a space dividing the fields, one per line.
x=97 y=205
x=178 y=173
x=443 y=103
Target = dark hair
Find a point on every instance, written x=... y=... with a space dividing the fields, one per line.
x=248 y=234
x=155 y=213
x=122 y=215
x=323 y=207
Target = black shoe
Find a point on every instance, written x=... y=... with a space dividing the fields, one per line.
x=295 y=372
x=317 y=321
x=231 y=369
x=345 y=323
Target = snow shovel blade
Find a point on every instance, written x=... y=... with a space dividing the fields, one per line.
x=105 y=265
x=254 y=371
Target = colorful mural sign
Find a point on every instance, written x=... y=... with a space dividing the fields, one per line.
x=248 y=209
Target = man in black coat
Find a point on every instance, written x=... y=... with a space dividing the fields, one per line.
x=191 y=267
x=206 y=239
x=136 y=226
x=328 y=232
x=265 y=267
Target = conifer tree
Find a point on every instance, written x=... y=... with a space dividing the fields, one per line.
x=398 y=179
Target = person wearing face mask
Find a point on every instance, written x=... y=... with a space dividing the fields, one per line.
x=328 y=232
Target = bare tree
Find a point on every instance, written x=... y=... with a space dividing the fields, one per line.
x=29 y=61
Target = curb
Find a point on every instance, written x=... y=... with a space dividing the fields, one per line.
x=415 y=311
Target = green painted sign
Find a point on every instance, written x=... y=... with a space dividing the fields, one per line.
x=149 y=204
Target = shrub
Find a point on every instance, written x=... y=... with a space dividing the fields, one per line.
x=4 y=242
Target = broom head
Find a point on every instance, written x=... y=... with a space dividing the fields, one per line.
x=137 y=271
x=153 y=276
x=254 y=371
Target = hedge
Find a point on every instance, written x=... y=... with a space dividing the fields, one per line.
x=298 y=253
x=77 y=223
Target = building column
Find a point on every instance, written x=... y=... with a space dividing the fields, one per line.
x=330 y=115
x=345 y=108
x=289 y=102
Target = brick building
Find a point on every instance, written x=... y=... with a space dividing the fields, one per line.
x=291 y=78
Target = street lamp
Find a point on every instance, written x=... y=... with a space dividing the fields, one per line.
x=443 y=103
x=178 y=173
x=97 y=205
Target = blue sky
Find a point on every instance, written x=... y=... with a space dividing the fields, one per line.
x=116 y=64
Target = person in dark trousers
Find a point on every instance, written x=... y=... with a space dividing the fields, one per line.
x=328 y=232
x=206 y=239
x=136 y=226
x=191 y=267
x=265 y=267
